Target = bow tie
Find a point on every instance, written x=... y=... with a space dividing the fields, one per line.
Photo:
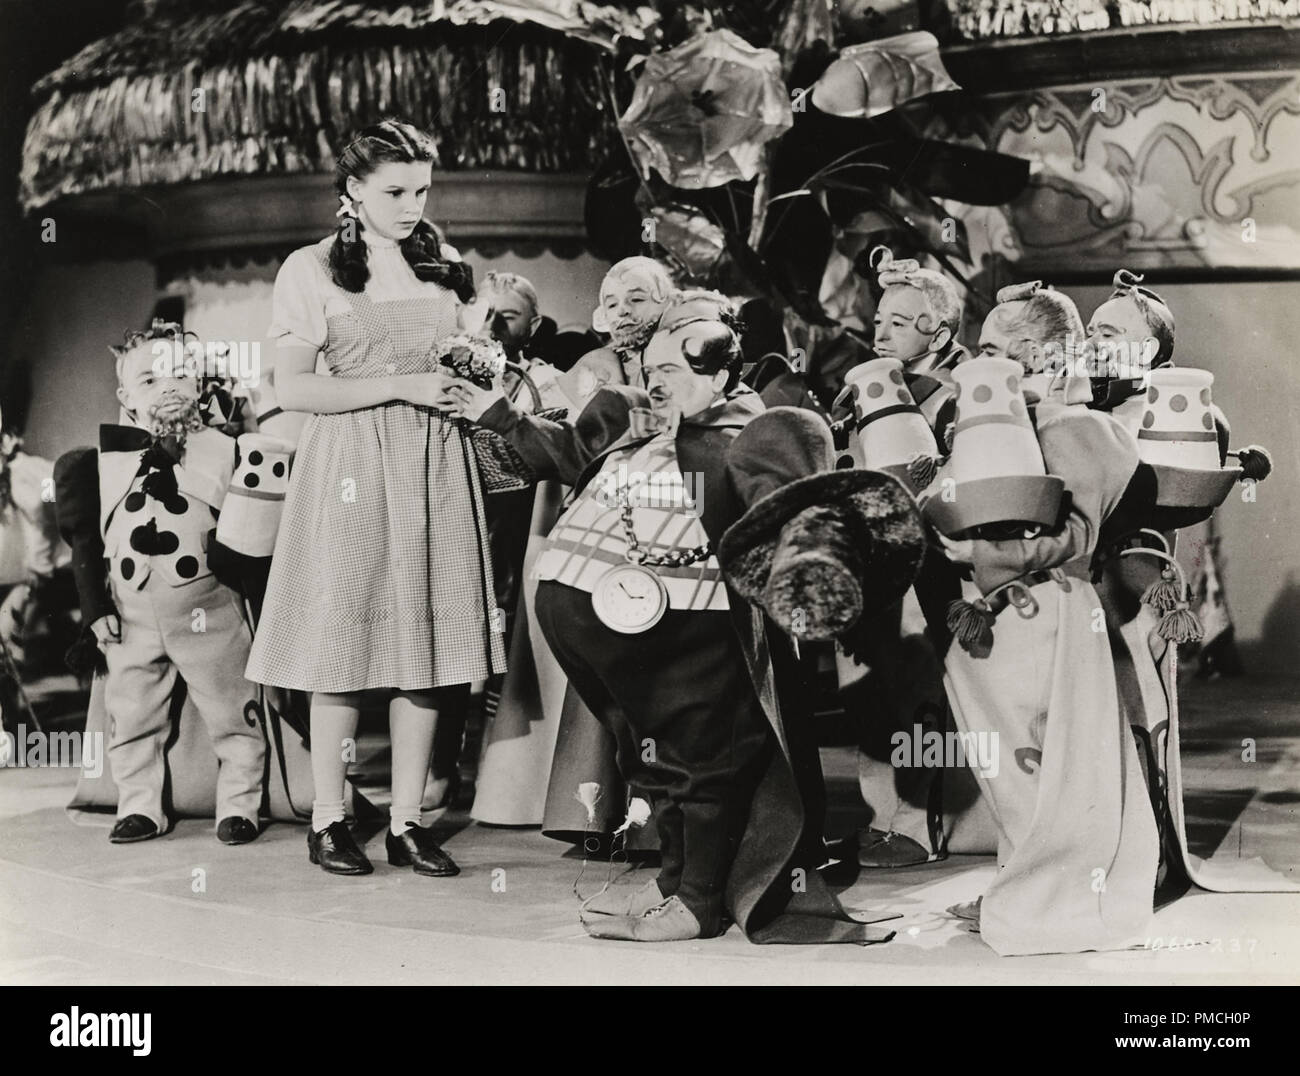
x=642 y=422
x=134 y=439
x=123 y=438
x=158 y=456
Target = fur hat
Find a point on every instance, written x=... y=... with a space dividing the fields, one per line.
x=820 y=551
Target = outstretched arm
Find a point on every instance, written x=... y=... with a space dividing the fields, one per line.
x=558 y=450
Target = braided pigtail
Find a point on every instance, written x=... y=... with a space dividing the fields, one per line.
x=423 y=251
x=347 y=260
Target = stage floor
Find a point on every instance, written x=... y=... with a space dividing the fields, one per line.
x=76 y=910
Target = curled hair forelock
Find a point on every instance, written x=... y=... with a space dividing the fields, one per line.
x=1155 y=311
x=719 y=349
x=942 y=297
x=159 y=329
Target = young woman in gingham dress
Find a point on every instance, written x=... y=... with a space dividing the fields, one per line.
x=381 y=578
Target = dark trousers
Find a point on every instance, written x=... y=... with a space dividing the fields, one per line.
x=692 y=734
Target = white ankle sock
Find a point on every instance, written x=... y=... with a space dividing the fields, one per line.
x=324 y=813
x=400 y=817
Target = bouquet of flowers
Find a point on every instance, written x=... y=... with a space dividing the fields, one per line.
x=482 y=360
x=479 y=359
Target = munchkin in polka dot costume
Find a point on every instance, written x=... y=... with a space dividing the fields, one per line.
x=1029 y=668
x=141 y=516
x=1182 y=439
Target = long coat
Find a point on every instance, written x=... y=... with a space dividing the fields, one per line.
x=774 y=892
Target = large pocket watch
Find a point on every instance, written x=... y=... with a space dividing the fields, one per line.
x=629 y=598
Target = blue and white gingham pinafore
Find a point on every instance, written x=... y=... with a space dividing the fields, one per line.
x=381 y=576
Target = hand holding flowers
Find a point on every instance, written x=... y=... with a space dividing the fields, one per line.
x=476 y=364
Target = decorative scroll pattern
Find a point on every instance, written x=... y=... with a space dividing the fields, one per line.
x=1193 y=171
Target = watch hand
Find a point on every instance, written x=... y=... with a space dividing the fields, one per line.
x=626 y=591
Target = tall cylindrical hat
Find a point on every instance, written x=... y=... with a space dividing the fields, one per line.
x=250 y=513
x=891 y=428
x=996 y=468
x=1178 y=439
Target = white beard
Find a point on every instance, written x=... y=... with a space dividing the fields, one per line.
x=173 y=417
x=633 y=339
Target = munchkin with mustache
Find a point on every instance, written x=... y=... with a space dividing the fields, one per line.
x=140 y=516
x=677 y=619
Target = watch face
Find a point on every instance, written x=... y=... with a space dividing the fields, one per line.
x=629 y=599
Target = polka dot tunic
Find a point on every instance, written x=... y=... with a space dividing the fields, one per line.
x=168 y=538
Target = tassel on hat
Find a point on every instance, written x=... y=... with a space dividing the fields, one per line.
x=1162 y=595
x=1180 y=625
x=922 y=468
x=1256 y=463
x=971 y=623
x=1167 y=597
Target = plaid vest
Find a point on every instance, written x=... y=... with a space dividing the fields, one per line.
x=589 y=537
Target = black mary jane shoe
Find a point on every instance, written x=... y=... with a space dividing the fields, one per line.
x=334 y=850
x=236 y=830
x=416 y=847
x=132 y=828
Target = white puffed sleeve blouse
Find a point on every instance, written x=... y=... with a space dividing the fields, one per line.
x=305 y=296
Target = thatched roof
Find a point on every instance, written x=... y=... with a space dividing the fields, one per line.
x=284 y=82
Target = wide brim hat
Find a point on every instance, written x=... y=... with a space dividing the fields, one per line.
x=879 y=518
x=1028 y=499
x=1185 y=487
